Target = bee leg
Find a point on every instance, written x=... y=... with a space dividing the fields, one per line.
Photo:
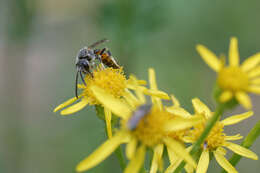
x=82 y=78
x=91 y=74
x=76 y=84
x=103 y=50
x=100 y=61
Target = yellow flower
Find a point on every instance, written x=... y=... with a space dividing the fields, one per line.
x=180 y=135
x=217 y=139
x=234 y=80
x=113 y=81
x=142 y=126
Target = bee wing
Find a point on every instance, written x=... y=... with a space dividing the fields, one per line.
x=97 y=43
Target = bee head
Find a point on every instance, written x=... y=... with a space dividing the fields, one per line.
x=86 y=53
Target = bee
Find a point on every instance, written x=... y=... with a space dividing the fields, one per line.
x=138 y=114
x=86 y=61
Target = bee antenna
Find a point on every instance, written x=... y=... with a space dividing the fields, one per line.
x=98 y=42
x=82 y=78
x=76 y=86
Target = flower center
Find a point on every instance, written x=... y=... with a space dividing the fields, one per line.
x=215 y=138
x=113 y=81
x=150 y=129
x=178 y=135
x=233 y=79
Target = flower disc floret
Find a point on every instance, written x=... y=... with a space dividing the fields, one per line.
x=233 y=79
x=216 y=137
x=150 y=129
x=113 y=81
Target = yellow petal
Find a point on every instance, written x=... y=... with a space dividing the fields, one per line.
x=131 y=86
x=137 y=161
x=201 y=108
x=254 y=72
x=130 y=148
x=133 y=79
x=243 y=99
x=172 y=156
x=209 y=57
x=222 y=151
x=203 y=163
x=152 y=79
x=241 y=150
x=233 y=52
x=108 y=117
x=135 y=86
x=225 y=96
x=75 y=108
x=188 y=168
x=118 y=107
x=140 y=96
x=157 y=156
x=66 y=103
x=223 y=162
x=178 y=111
x=233 y=138
x=236 y=118
x=251 y=62
x=156 y=93
x=175 y=101
x=131 y=99
x=173 y=166
x=176 y=161
x=255 y=81
x=153 y=86
x=180 y=150
x=142 y=82
x=102 y=152
x=182 y=123
x=254 y=89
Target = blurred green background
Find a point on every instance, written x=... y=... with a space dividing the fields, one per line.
x=38 y=44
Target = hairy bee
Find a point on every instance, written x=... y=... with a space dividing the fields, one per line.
x=86 y=61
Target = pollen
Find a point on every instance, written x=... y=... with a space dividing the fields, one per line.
x=149 y=130
x=216 y=137
x=113 y=81
x=233 y=79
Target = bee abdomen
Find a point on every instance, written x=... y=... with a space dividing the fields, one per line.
x=110 y=61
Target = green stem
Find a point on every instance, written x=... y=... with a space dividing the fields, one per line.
x=142 y=170
x=120 y=157
x=219 y=111
x=118 y=152
x=247 y=143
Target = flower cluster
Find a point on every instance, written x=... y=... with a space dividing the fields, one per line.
x=146 y=123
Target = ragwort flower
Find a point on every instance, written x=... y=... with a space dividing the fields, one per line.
x=179 y=135
x=142 y=126
x=217 y=139
x=113 y=81
x=235 y=81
